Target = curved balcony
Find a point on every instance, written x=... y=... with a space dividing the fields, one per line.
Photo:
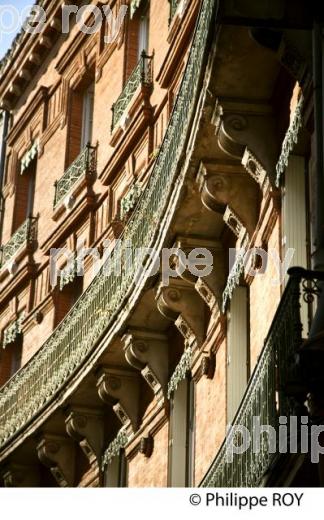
x=67 y=350
x=272 y=392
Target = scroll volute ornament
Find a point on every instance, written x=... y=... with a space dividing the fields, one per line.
x=209 y=287
x=120 y=389
x=148 y=352
x=87 y=428
x=234 y=189
x=180 y=303
x=58 y=454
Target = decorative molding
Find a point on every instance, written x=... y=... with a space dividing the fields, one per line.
x=147 y=446
x=256 y=170
x=233 y=222
x=29 y=156
x=69 y=273
x=181 y=371
x=129 y=201
x=13 y=331
x=290 y=140
x=235 y=274
x=114 y=448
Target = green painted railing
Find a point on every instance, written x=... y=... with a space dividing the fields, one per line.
x=268 y=395
x=84 y=164
x=25 y=236
x=173 y=8
x=62 y=355
x=141 y=75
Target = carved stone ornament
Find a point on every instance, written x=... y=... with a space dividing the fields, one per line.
x=181 y=371
x=121 y=389
x=114 y=448
x=235 y=190
x=180 y=303
x=290 y=140
x=87 y=428
x=147 y=351
x=58 y=454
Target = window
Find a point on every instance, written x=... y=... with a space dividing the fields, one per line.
x=181 y=438
x=65 y=298
x=116 y=472
x=11 y=349
x=80 y=121
x=25 y=193
x=87 y=118
x=137 y=37
x=237 y=351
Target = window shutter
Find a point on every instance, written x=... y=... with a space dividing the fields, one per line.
x=295 y=219
x=237 y=351
x=178 y=438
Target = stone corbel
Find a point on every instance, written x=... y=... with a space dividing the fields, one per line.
x=58 y=454
x=148 y=352
x=19 y=475
x=229 y=189
x=87 y=428
x=209 y=287
x=120 y=389
x=240 y=126
x=181 y=304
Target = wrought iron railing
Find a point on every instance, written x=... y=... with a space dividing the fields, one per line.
x=62 y=355
x=173 y=8
x=84 y=164
x=268 y=396
x=141 y=75
x=25 y=236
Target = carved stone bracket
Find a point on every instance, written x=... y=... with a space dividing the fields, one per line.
x=120 y=389
x=147 y=351
x=87 y=428
x=58 y=454
x=240 y=126
x=209 y=287
x=19 y=475
x=180 y=303
x=229 y=189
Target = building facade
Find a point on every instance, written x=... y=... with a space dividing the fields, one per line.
x=183 y=128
